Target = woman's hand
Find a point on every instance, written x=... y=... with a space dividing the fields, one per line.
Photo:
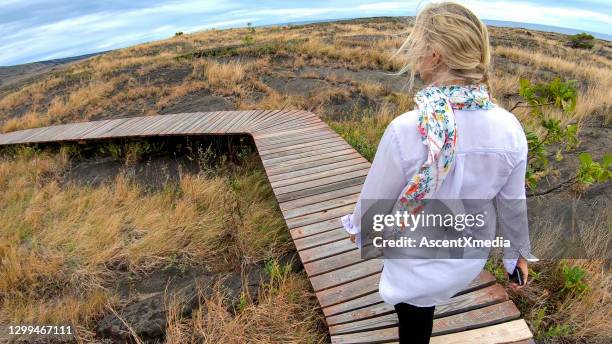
x=352 y=238
x=522 y=265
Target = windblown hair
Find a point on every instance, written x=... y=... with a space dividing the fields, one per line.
x=454 y=32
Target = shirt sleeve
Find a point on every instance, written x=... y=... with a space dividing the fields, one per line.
x=385 y=180
x=512 y=214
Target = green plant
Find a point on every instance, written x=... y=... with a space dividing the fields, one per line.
x=250 y=27
x=581 y=41
x=536 y=97
x=557 y=331
x=496 y=269
x=276 y=271
x=249 y=38
x=537 y=322
x=594 y=172
x=180 y=33
x=573 y=277
x=243 y=302
x=114 y=150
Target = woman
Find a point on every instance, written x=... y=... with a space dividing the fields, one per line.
x=457 y=144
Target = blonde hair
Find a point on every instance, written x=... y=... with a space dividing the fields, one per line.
x=454 y=32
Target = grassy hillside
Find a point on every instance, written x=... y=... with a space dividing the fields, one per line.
x=71 y=232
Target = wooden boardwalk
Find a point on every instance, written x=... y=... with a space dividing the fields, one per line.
x=316 y=177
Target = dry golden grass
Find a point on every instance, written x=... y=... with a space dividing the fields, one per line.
x=59 y=241
x=222 y=74
x=589 y=315
x=285 y=312
x=371 y=89
x=597 y=95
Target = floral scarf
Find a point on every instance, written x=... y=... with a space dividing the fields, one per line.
x=438 y=130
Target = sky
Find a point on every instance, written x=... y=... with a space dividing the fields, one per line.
x=38 y=30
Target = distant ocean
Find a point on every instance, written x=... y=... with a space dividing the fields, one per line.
x=539 y=27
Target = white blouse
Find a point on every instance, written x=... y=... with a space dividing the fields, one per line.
x=490 y=163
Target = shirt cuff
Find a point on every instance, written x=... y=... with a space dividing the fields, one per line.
x=348 y=225
x=510 y=263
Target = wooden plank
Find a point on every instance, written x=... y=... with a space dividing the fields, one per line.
x=275 y=119
x=286 y=133
x=260 y=119
x=294 y=139
x=512 y=331
x=484 y=279
x=310 y=163
x=347 y=274
x=333 y=262
x=312 y=131
x=71 y=132
x=320 y=206
x=160 y=125
x=462 y=303
x=330 y=214
x=42 y=134
x=318 y=148
x=315 y=228
x=243 y=124
x=317 y=169
x=286 y=120
x=313 y=184
x=312 y=200
x=312 y=142
x=348 y=291
x=219 y=124
x=277 y=158
x=183 y=122
x=322 y=174
x=320 y=239
x=320 y=189
x=290 y=163
x=203 y=126
x=473 y=319
x=230 y=127
x=289 y=127
x=327 y=250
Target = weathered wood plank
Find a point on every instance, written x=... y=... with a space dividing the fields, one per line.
x=317 y=169
x=330 y=214
x=348 y=291
x=321 y=206
x=462 y=303
x=319 y=239
x=313 y=200
x=473 y=319
x=315 y=228
x=512 y=331
x=327 y=250
x=347 y=274
x=484 y=279
x=333 y=261
x=277 y=167
x=314 y=184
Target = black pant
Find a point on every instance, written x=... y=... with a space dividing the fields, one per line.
x=415 y=323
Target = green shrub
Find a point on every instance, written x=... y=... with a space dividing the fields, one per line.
x=581 y=41
x=573 y=277
x=557 y=93
x=594 y=172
